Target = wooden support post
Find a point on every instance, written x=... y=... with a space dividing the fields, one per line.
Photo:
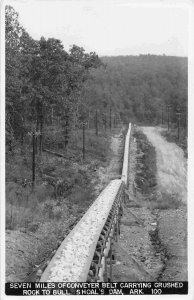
x=117 y=230
x=110 y=276
x=105 y=270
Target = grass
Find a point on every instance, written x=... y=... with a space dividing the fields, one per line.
x=146 y=176
x=63 y=187
x=62 y=194
x=94 y=145
x=25 y=207
x=162 y=200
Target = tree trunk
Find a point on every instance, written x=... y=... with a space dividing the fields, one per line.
x=96 y=122
x=110 y=118
x=36 y=137
x=41 y=135
x=89 y=120
x=33 y=158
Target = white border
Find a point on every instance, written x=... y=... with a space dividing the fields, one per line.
x=2 y=149
x=191 y=152
x=189 y=5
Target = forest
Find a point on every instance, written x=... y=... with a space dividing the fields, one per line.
x=69 y=100
x=46 y=84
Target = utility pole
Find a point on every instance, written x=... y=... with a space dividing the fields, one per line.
x=51 y=114
x=168 y=110
x=89 y=120
x=178 y=119
x=34 y=134
x=110 y=118
x=33 y=157
x=41 y=134
x=162 y=115
x=105 y=121
x=96 y=122
x=114 y=118
x=66 y=117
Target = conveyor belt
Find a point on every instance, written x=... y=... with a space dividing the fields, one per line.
x=87 y=251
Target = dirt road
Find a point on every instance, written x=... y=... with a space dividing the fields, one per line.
x=171 y=164
x=172 y=225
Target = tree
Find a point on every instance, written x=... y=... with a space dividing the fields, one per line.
x=13 y=31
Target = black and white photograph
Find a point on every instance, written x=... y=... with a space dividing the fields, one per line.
x=97 y=196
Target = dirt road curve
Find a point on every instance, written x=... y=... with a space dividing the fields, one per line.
x=171 y=164
x=172 y=225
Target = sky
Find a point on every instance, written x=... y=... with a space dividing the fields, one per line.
x=108 y=27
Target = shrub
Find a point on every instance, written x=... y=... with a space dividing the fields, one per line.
x=82 y=197
x=42 y=192
x=166 y=201
x=146 y=176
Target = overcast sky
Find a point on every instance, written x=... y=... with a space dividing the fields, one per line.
x=108 y=27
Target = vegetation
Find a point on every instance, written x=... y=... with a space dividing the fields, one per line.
x=142 y=87
x=146 y=165
x=58 y=181
x=56 y=99
x=146 y=180
x=45 y=83
x=179 y=138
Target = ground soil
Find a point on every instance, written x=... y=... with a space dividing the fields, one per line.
x=153 y=242
x=25 y=251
